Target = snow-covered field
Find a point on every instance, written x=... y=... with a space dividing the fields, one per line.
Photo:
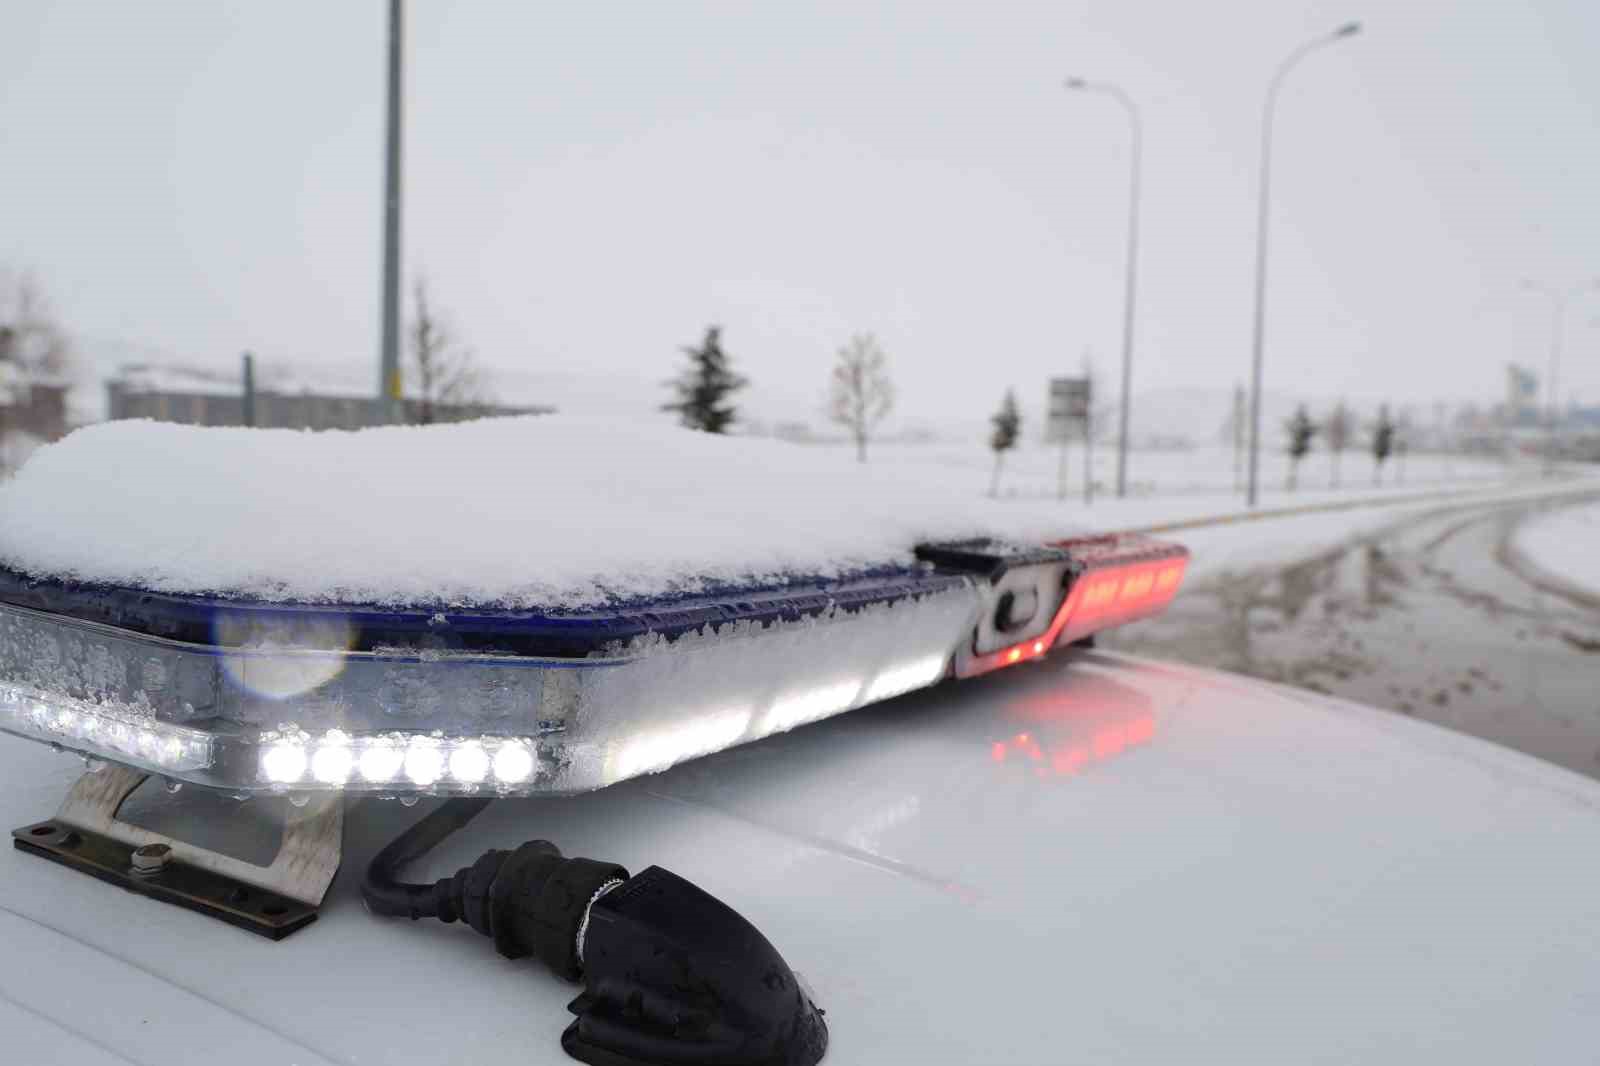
x=1032 y=471
x=1566 y=545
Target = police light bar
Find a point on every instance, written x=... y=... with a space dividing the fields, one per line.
x=254 y=697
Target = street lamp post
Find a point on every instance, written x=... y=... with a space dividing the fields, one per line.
x=1130 y=284
x=1558 y=315
x=389 y=390
x=1348 y=30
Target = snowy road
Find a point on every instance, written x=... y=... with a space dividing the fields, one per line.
x=1433 y=615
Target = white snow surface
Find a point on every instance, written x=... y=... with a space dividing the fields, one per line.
x=553 y=511
x=1563 y=544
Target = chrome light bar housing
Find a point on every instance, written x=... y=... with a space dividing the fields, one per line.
x=262 y=697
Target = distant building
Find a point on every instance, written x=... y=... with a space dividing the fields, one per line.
x=202 y=398
x=30 y=403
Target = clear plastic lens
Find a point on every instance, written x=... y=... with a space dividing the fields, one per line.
x=469 y=763
x=401 y=722
x=513 y=763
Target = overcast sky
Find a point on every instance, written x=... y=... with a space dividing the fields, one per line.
x=588 y=185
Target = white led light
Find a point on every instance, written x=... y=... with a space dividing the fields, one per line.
x=113 y=730
x=469 y=763
x=902 y=679
x=513 y=763
x=424 y=761
x=799 y=708
x=500 y=722
x=380 y=761
x=697 y=736
x=284 y=761
x=173 y=750
x=119 y=736
x=333 y=759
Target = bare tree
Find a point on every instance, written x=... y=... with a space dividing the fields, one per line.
x=862 y=393
x=31 y=339
x=447 y=373
x=1338 y=429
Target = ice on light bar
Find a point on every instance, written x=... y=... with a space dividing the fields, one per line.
x=122 y=734
x=650 y=752
x=899 y=680
x=811 y=704
x=394 y=720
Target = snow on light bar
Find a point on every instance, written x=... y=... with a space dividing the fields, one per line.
x=258 y=697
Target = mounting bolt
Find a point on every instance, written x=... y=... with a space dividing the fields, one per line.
x=151 y=858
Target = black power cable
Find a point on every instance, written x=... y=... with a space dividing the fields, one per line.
x=672 y=974
x=384 y=893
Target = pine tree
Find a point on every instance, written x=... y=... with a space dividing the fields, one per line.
x=1007 y=428
x=1382 y=443
x=1300 y=429
x=706 y=385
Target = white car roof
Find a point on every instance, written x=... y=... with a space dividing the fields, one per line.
x=1100 y=860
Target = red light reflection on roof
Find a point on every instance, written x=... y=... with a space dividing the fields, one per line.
x=1070 y=756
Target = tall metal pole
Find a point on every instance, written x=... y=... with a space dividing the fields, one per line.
x=389 y=382
x=1131 y=264
x=1263 y=213
x=248 y=399
x=1553 y=391
x=1558 y=311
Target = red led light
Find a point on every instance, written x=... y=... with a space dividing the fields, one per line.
x=1137 y=586
x=1107 y=594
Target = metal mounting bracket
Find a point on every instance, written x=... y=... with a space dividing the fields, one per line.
x=273 y=900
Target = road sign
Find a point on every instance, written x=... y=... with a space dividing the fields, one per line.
x=1068 y=409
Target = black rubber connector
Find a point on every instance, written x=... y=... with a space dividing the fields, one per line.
x=673 y=976
x=529 y=901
